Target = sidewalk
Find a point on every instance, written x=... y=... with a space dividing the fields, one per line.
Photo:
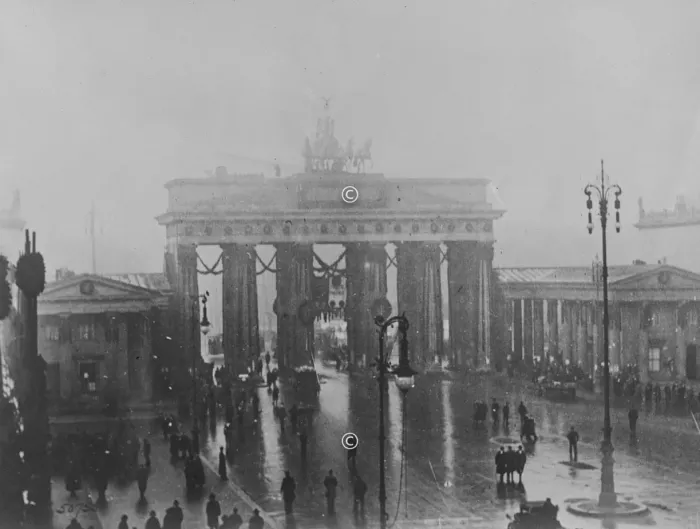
x=65 y=508
x=167 y=483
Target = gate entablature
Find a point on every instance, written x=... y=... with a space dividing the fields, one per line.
x=309 y=208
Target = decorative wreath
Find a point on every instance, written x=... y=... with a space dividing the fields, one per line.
x=5 y=290
x=31 y=274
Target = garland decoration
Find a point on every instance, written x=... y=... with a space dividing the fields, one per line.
x=31 y=274
x=5 y=290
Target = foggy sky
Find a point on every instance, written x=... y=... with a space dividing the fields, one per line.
x=108 y=101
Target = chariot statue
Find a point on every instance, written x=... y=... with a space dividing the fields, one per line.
x=325 y=154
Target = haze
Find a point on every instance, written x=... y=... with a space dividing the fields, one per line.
x=108 y=101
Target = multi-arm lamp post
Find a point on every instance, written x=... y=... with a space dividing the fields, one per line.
x=607 y=497
x=404 y=380
x=205 y=327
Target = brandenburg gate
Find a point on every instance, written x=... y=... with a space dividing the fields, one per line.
x=336 y=202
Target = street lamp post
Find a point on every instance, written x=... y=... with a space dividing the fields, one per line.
x=204 y=326
x=607 y=497
x=405 y=379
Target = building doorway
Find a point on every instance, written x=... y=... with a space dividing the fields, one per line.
x=691 y=362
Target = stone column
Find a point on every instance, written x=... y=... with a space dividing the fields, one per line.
x=295 y=338
x=420 y=297
x=538 y=331
x=485 y=254
x=528 y=337
x=240 y=307
x=187 y=292
x=680 y=345
x=553 y=326
x=517 y=330
x=509 y=317
x=145 y=359
x=462 y=281
x=584 y=350
x=365 y=265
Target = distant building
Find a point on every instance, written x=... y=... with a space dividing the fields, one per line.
x=105 y=337
x=654 y=311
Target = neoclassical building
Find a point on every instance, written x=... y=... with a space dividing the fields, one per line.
x=105 y=333
x=654 y=312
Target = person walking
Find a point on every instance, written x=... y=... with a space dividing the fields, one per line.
x=331 y=484
x=573 y=437
x=123 y=523
x=153 y=522
x=256 y=521
x=213 y=511
x=267 y=361
x=511 y=463
x=632 y=416
x=147 y=452
x=288 y=490
x=500 y=464
x=142 y=480
x=352 y=456
x=173 y=517
x=359 y=489
x=275 y=394
x=495 y=409
x=233 y=520
x=222 y=464
x=522 y=411
x=303 y=440
x=520 y=460
x=506 y=415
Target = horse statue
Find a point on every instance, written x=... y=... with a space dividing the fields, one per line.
x=363 y=155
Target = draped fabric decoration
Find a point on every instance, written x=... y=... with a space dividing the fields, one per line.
x=211 y=271
x=240 y=307
x=321 y=288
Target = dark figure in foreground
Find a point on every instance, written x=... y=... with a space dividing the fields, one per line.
x=573 y=437
x=256 y=521
x=359 y=489
x=222 y=464
x=288 y=490
x=633 y=415
x=331 y=485
x=213 y=512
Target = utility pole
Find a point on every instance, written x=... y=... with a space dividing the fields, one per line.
x=92 y=238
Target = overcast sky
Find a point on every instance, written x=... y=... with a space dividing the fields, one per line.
x=108 y=100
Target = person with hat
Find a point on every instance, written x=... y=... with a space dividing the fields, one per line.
x=152 y=522
x=256 y=521
x=213 y=511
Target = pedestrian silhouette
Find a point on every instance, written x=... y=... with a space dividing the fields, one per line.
x=331 y=485
x=222 y=464
x=288 y=490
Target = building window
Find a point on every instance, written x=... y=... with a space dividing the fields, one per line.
x=112 y=331
x=655 y=318
x=86 y=331
x=88 y=377
x=654 y=359
x=52 y=333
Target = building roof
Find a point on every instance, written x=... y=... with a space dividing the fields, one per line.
x=570 y=274
x=155 y=281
